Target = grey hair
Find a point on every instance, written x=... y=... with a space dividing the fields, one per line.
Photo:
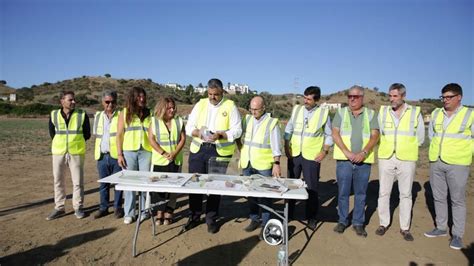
x=357 y=87
x=110 y=93
x=399 y=87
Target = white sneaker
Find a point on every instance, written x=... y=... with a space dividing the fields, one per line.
x=127 y=220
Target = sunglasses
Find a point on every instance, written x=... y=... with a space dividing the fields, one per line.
x=354 y=96
x=109 y=102
x=447 y=97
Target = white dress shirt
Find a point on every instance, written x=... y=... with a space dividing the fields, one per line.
x=234 y=131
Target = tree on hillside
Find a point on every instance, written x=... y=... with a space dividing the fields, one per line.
x=200 y=85
x=107 y=75
x=3 y=82
x=189 y=89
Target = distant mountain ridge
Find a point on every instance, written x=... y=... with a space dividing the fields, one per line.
x=89 y=89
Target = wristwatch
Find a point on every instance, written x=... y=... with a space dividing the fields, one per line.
x=276 y=162
x=326 y=152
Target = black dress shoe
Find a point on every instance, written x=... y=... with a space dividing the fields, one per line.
x=252 y=226
x=381 y=230
x=360 y=231
x=312 y=224
x=406 y=235
x=101 y=214
x=190 y=224
x=118 y=213
x=212 y=228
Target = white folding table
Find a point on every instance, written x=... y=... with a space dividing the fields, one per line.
x=139 y=181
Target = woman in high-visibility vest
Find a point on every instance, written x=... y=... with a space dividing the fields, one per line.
x=167 y=138
x=133 y=147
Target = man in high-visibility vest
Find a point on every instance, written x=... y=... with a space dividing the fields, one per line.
x=402 y=131
x=355 y=133
x=214 y=124
x=307 y=142
x=260 y=152
x=105 y=131
x=69 y=129
x=451 y=131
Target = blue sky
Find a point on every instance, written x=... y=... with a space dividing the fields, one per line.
x=275 y=46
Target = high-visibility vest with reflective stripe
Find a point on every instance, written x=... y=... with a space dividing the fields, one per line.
x=346 y=131
x=98 y=131
x=402 y=139
x=256 y=147
x=221 y=123
x=167 y=140
x=136 y=133
x=308 y=136
x=453 y=145
x=68 y=139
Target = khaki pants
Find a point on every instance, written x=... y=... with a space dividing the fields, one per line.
x=75 y=163
x=389 y=171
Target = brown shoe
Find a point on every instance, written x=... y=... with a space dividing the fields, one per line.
x=168 y=218
x=159 y=218
x=381 y=230
x=406 y=235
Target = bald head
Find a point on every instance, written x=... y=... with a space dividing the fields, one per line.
x=257 y=106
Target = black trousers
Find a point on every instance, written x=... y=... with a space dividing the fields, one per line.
x=310 y=170
x=199 y=163
x=157 y=196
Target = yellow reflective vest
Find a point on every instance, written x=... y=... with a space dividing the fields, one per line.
x=308 y=136
x=256 y=148
x=98 y=131
x=400 y=139
x=221 y=123
x=168 y=140
x=453 y=144
x=136 y=133
x=68 y=139
x=346 y=132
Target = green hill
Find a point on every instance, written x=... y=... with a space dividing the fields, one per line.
x=88 y=91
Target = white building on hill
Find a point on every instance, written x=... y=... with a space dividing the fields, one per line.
x=200 y=90
x=331 y=106
x=174 y=86
x=236 y=88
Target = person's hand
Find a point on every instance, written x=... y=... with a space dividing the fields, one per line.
x=349 y=155
x=359 y=157
x=170 y=156
x=320 y=156
x=121 y=161
x=214 y=137
x=276 y=170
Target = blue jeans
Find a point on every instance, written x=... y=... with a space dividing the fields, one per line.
x=356 y=175
x=136 y=160
x=253 y=202
x=107 y=166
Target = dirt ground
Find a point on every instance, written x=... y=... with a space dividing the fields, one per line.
x=26 y=198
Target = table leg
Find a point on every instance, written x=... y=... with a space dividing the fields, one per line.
x=285 y=226
x=137 y=228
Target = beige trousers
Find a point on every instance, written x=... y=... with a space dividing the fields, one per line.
x=75 y=163
x=390 y=170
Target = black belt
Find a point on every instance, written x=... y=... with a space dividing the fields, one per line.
x=208 y=144
x=104 y=153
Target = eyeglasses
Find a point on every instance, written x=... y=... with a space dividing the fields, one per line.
x=354 y=96
x=255 y=109
x=109 y=102
x=447 y=97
